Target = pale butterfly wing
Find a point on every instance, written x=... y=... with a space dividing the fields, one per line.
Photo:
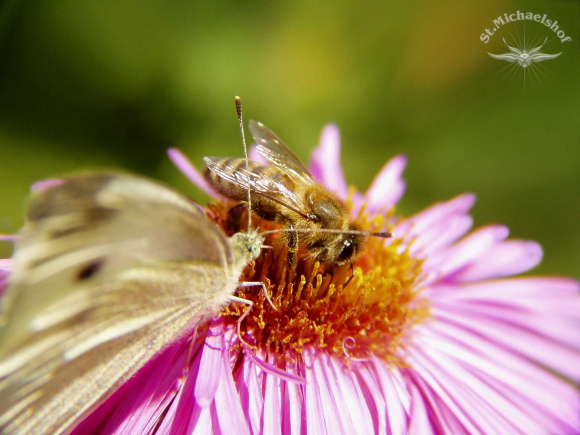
x=110 y=270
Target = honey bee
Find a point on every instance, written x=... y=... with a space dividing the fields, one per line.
x=286 y=193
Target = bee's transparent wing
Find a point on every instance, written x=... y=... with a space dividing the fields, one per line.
x=279 y=185
x=109 y=268
x=276 y=152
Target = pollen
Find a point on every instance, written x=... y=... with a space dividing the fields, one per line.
x=354 y=311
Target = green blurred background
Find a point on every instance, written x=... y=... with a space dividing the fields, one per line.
x=109 y=83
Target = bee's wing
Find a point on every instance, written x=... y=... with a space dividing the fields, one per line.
x=109 y=269
x=276 y=152
x=278 y=185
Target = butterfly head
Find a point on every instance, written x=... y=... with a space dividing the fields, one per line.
x=246 y=246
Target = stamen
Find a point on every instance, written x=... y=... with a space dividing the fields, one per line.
x=353 y=311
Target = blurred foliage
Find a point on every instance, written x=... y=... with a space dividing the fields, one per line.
x=108 y=83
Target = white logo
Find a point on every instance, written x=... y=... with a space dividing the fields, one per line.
x=520 y=16
x=526 y=57
x=524 y=53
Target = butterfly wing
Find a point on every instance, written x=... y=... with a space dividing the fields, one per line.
x=65 y=370
x=109 y=270
x=93 y=226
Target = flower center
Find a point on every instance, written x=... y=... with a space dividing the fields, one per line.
x=327 y=307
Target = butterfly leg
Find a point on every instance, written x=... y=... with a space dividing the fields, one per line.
x=250 y=304
x=264 y=290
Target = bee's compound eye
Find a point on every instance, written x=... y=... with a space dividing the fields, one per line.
x=348 y=251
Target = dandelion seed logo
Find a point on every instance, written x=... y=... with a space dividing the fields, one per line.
x=526 y=50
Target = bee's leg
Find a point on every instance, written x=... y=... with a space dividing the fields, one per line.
x=292 y=239
x=353 y=273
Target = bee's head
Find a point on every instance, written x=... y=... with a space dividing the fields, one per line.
x=342 y=248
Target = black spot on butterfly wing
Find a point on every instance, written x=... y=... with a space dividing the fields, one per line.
x=90 y=270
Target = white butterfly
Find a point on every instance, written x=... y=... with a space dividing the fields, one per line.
x=110 y=269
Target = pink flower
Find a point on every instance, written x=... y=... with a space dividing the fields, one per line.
x=429 y=337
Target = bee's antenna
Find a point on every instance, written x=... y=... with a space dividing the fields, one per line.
x=384 y=234
x=239 y=111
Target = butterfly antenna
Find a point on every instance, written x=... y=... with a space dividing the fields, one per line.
x=239 y=111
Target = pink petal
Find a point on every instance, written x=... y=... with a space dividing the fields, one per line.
x=325 y=161
x=436 y=214
x=272 y=410
x=201 y=423
x=46 y=184
x=139 y=410
x=375 y=398
x=486 y=407
x=313 y=403
x=543 y=319
x=6 y=264
x=514 y=392
x=190 y=171
x=467 y=250
x=520 y=289
x=420 y=422
x=388 y=186
x=9 y=237
x=250 y=392
x=443 y=417
x=508 y=258
x=184 y=415
x=453 y=394
x=396 y=416
x=208 y=378
x=441 y=235
x=256 y=156
x=3 y=285
x=228 y=408
x=337 y=409
x=119 y=410
x=523 y=382
x=294 y=416
x=347 y=391
x=535 y=347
